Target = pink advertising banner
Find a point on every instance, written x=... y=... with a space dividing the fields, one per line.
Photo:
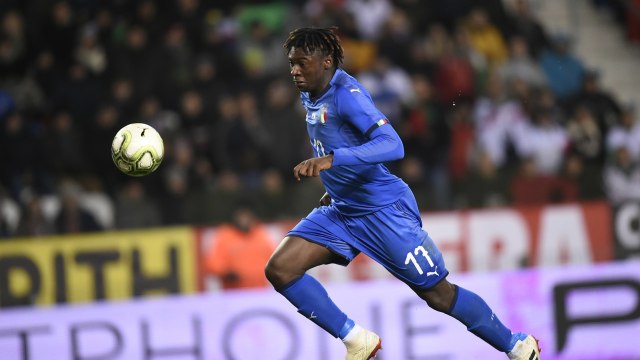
x=589 y=312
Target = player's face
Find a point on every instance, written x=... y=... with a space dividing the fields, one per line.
x=311 y=72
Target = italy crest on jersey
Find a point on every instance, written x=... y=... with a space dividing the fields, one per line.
x=323 y=113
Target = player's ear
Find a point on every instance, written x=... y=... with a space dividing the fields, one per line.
x=328 y=62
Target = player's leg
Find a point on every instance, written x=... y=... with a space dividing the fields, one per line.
x=286 y=270
x=471 y=310
x=413 y=257
x=317 y=240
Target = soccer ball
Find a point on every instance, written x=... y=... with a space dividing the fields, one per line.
x=137 y=149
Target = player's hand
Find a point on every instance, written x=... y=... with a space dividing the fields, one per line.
x=325 y=200
x=312 y=167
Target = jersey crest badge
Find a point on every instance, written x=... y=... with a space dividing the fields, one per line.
x=323 y=113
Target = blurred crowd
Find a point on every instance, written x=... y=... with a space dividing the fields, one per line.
x=493 y=110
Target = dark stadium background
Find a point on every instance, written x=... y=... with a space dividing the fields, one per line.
x=517 y=116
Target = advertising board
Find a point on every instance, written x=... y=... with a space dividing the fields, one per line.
x=578 y=313
x=88 y=267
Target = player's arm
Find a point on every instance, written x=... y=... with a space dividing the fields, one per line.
x=384 y=143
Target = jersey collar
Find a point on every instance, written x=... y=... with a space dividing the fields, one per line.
x=329 y=86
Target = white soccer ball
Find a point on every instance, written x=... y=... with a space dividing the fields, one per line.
x=137 y=149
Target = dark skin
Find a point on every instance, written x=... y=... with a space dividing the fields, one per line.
x=312 y=72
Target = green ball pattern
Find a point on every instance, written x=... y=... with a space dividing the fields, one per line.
x=130 y=165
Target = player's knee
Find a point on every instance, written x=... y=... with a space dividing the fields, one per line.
x=271 y=272
x=440 y=297
x=277 y=273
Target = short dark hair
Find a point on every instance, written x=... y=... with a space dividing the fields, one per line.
x=311 y=39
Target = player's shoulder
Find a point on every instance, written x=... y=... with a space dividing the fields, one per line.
x=345 y=81
x=346 y=86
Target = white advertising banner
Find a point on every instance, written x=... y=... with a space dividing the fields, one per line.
x=590 y=312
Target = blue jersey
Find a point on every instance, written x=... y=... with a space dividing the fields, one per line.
x=345 y=122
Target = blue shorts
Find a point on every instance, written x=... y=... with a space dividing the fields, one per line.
x=392 y=236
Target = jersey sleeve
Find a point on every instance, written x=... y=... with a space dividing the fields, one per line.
x=384 y=144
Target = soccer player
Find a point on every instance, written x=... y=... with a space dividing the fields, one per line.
x=365 y=209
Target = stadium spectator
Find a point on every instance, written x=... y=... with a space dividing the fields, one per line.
x=165 y=121
x=173 y=75
x=522 y=22
x=462 y=139
x=72 y=73
x=485 y=116
x=221 y=41
x=584 y=176
x=484 y=186
x=194 y=120
x=14 y=46
x=133 y=58
x=9 y=215
x=454 y=76
x=585 y=136
x=59 y=33
x=389 y=86
x=147 y=17
x=105 y=125
x=225 y=194
x=520 y=65
x=271 y=201
x=207 y=82
x=282 y=114
x=135 y=209
x=33 y=220
x=227 y=119
x=501 y=125
x=72 y=217
x=545 y=141
x=425 y=134
x=396 y=39
x=252 y=139
x=464 y=49
x=19 y=149
x=239 y=251
x=625 y=134
x=177 y=180
x=259 y=51
x=63 y=146
x=599 y=102
x=622 y=177
x=369 y=15
x=485 y=37
x=89 y=52
x=563 y=70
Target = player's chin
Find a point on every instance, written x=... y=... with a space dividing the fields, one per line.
x=301 y=85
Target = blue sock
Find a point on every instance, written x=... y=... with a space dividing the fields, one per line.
x=474 y=312
x=313 y=301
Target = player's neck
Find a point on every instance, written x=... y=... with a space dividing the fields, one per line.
x=317 y=95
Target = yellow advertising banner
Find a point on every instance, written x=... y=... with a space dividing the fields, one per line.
x=89 y=267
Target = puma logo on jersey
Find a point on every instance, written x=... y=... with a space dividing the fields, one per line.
x=434 y=272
